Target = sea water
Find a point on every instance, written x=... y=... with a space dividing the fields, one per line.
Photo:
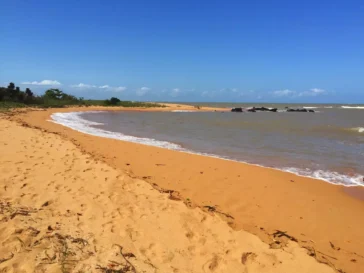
x=327 y=144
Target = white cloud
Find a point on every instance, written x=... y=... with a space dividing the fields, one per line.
x=290 y=93
x=229 y=90
x=285 y=92
x=83 y=86
x=313 y=92
x=175 y=92
x=44 y=82
x=208 y=94
x=111 y=88
x=119 y=88
x=142 y=91
x=318 y=90
x=248 y=93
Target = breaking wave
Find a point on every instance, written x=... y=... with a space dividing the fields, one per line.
x=74 y=121
x=352 y=107
x=358 y=129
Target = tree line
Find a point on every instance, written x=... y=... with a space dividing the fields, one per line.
x=14 y=94
x=57 y=98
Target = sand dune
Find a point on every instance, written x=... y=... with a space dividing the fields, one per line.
x=62 y=211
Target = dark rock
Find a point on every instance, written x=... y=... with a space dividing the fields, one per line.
x=299 y=110
x=261 y=108
x=237 y=109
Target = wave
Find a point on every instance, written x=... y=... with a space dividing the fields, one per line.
x=331 y=177
x=74 y=121
x=352 y=107
x=358 y=129
x=317 y=107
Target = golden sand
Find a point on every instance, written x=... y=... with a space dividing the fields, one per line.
x=84 y=195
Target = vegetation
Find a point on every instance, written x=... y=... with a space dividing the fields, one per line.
x=112 y=101
x=12 y=97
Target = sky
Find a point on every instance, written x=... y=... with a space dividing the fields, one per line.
x=220 y=51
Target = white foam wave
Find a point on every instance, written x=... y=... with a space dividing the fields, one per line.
x=317 y=107
x=74 y=117
x=352 y=107
x=331 y=177
x=359 y=129
x=74 y=121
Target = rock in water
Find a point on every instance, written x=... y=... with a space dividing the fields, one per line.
x=237 y=109
x=300 y=110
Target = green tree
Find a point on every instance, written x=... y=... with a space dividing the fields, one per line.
x=114 y=101
x=21 y=96
x=54 y=94
x=11 y=86
x=29 y=92
x=2 y=93
x=68 y=97
x=14 y=92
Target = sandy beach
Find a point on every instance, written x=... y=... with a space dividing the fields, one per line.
x=72 y=202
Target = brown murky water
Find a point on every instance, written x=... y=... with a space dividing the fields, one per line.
x=328 y=144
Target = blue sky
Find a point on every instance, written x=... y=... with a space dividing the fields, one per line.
x=254 y=51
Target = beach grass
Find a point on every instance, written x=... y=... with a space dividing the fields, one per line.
x=7 y=105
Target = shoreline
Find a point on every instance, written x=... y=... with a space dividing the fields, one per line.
x=64 y=211
x=322 y=206
x=176 y=147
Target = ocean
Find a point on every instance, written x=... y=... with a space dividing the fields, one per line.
x=327 y=144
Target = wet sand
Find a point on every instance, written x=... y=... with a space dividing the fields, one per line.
x=323 y=218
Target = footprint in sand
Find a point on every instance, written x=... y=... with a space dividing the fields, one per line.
x=211 y=265
x=109 y=226
x=34 y=196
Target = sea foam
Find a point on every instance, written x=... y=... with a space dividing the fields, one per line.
x=359 y=129
x=74 y=121
x=331 y=177
x=352 y=107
